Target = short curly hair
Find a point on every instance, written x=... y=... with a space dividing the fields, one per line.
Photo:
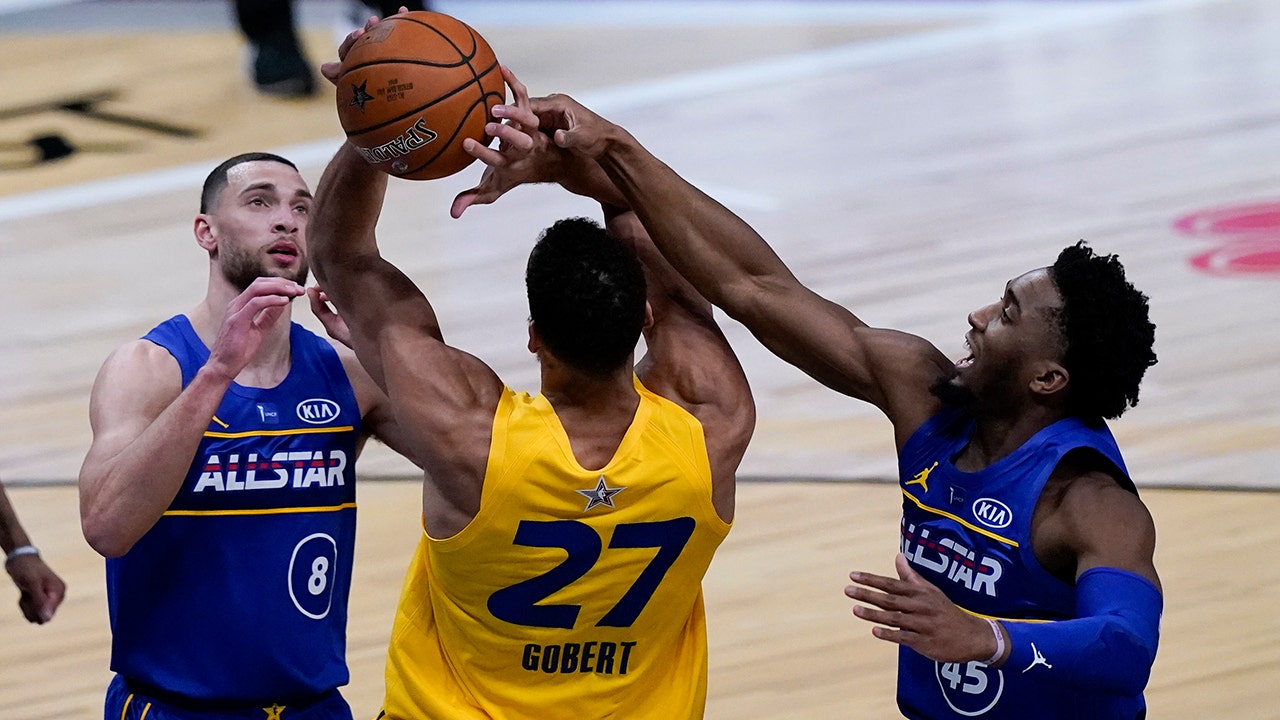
x=1107 y=333
x=586 y=295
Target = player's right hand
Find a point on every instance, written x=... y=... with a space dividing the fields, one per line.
x=42 y=590
x=247 y=318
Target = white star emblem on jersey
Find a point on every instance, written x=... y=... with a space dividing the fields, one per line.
x=601 y=494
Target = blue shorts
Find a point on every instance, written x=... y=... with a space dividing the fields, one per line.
x=124 y=703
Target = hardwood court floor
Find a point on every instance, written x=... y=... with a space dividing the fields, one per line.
x=783 y=641
x=905 y=159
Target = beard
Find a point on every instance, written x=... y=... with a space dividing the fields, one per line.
x=241 y=268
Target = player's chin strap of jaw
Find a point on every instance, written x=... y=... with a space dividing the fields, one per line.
x=1109 y=646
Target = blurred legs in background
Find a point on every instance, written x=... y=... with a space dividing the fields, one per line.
x=279 y=65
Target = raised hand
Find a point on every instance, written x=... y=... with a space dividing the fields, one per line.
x=245 y=321
x=333 y=70
x=524 y=155
x=572 y=125
x=915 y=613
x=333 y=323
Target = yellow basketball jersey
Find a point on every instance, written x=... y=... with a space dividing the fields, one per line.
x=573 y=594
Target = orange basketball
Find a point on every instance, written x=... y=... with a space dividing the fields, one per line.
x=413 y=88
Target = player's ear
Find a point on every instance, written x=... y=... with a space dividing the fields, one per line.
x=535 y=342
x=1050 y=379
x=203 y=230
x=648 y=316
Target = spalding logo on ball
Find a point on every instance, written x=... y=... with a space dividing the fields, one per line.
x=412 y=88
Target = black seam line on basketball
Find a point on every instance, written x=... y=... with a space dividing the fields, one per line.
x=406 y=61
x=465 y=58
x=476 y=42
x=475 y=46
x=420 y=108
x=447 y=143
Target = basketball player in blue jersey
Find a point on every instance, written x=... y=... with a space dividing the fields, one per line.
x=220 y=484
x=1025 y=587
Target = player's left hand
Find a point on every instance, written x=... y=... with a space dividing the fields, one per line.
x=914 y=612
x=333 y=323
x=524 y=155
x=333 y=70
x=42 y=590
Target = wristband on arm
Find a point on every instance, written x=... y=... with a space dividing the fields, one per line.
x=1110 y=646
x=19 y=552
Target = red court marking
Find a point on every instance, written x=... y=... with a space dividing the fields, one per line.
x=1248 y=238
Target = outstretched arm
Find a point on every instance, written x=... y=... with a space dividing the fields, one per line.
x=442 y=397
x=689 y=361
x=525 y=155
x=734 y=268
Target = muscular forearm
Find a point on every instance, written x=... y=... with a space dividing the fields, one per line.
x=123 y=495
x=347 y=205
x=667 y=288
x=715 y=249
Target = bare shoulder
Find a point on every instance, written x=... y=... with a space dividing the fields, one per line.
x=903 y=371
x=135 y=384
x=705 y=378
x=142 y=366
x=1096 y=519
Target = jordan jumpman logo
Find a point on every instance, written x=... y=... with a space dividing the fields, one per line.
x=1038 y=659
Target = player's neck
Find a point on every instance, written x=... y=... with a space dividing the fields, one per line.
x=271 y=363
x=567 y=389
x=996 y=436
x=595 y=412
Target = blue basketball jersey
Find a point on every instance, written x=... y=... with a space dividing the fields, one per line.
x=239 y=592
x=970 y=535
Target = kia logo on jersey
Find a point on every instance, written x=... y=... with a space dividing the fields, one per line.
x=992 y=513
x=317 y=411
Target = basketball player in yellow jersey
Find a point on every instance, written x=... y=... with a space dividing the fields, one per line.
x=566 y=533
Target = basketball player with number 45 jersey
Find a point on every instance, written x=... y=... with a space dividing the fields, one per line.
x=566 y=532
x=220 y=485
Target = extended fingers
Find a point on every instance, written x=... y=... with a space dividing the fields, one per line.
x=319 y=301
x=887 y=584
x=485 y=154
x=892 y=619
x=268 y=285
x=511 y=135
x=250 y=304
x=519 y=92
x=479 y=195
x=520 y=115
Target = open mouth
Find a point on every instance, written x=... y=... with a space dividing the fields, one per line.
x=283 y=251
x=967 y=360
